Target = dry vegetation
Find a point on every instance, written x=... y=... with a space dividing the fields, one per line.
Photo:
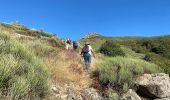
x=67 y=67
x=64 y=67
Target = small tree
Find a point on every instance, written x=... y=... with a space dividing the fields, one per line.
x=110 y=48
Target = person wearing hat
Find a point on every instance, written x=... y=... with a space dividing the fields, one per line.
x=86 y=52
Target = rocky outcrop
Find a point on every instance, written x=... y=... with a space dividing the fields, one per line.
x=131 y=95
x=90 y=35
x=154 y=86
x=69 y=92
x=148 y=87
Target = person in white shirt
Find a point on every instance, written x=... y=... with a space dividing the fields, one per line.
x=68 y=43
x=87 y=52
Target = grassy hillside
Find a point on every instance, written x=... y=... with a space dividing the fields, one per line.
x=124 y=58
x=22 y=73
x=32 y=61
x=148 y=47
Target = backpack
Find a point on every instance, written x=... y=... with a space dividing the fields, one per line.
x=75 y=44
x=85 y=49
x=68 y=41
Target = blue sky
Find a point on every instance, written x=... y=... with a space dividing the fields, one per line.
x=75 y=18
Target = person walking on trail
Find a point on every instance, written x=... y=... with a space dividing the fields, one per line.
x=68 y=43
x=86 y=52
x=75 y=45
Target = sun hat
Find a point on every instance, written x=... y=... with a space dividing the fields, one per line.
x=87 y=43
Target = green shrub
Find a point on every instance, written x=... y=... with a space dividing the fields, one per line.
x=159 y=46
x=110 y=48
x=159 y=60
x=22 y=74
x=120 y=71
x=139 y=49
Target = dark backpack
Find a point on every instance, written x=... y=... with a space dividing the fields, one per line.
x=75 y=44
x=68 y=41
x=85 y=49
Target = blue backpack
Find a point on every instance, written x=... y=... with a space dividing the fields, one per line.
x=75 y=44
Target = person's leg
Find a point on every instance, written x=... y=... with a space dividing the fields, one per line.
x=85 y=61
x=88 y=60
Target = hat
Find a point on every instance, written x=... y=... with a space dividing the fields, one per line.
x=87 y=43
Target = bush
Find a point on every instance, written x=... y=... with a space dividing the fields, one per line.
x=110 y=48
x=21 y=73
x=120 y=71
x=159 y=60
x=159 y=46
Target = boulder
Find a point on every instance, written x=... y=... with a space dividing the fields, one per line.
x=154 y=86
x=131 y=95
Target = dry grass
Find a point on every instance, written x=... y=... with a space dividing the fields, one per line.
x=67 y=67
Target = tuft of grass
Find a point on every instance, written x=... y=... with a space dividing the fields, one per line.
x=22 y=74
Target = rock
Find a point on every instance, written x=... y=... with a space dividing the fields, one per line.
x=55 y=89
x=63 y=97
x=131 y=95
x=70 y=92
x=71 y=97
x=90 y=94
x=154 y=86
x=163 y=99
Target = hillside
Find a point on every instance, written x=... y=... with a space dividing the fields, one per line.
x=34 y=61
x=154 y=49
x=136 y=51
x=35 y=65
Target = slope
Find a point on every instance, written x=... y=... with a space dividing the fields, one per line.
x=36 y=52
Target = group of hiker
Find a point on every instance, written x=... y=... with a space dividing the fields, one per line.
x=86 y=51
x=69 y=44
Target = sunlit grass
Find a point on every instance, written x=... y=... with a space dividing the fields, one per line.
x=22 y=74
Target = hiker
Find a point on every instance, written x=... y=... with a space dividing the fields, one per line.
x=68 y=43
x=75 y=45
x=86 y=52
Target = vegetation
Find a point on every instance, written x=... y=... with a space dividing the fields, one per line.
x=31 y=58
x=23 y=30
x=33 y=62
x=121 y=71
x=159 y=46
x=159 y=60
x=22 y=74
x=110 y=48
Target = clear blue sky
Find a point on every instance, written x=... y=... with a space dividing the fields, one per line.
x=75 y=18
